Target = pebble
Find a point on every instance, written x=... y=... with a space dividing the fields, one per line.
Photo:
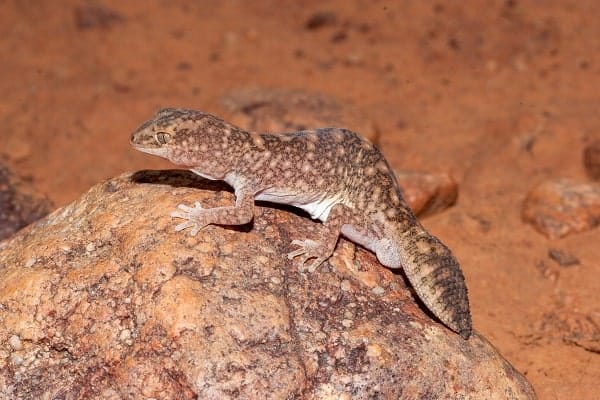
x=427 y=194
x=15 y=342
x=591 y=160
x=562 y=207
x=563 y=258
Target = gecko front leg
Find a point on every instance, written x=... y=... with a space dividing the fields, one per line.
x=198 y=217
x=321 y=249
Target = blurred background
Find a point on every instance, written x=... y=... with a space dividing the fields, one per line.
x=501 y=95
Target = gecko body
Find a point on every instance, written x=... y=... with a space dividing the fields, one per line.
x=335 y=175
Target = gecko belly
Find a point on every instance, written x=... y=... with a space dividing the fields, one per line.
x=318 y=208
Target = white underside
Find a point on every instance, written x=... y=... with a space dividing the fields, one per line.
x=316 y=206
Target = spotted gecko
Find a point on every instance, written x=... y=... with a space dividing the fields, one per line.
x=335 y=175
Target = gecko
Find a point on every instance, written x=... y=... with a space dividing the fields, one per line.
x=337 y=176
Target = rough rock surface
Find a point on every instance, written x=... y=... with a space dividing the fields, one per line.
x=19 y=204
x=284 y=110
x=559 y=208
x=427 y=194
x=102 y=299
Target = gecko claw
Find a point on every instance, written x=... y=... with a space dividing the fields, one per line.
x=308 y=249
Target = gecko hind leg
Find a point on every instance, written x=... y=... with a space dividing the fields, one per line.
x=321 y=249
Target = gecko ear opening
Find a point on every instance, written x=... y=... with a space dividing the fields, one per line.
x=162 y=137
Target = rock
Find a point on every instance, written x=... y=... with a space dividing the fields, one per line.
x=321 y=19
x=563 y=258
x=591 y=160
x=19 y=204
x=427 y=194
x=559 y=208
x=572 y=327
x=284 y=110
x=93 y=16
x=147 y=312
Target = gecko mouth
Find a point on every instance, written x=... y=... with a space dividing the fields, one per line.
x=157 y=151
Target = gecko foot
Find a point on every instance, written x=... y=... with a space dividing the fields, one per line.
x=194 y=216
x=309 y=249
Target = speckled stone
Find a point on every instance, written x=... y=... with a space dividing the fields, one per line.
x=154 y=313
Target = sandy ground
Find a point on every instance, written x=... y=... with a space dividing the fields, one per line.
x=502 y=94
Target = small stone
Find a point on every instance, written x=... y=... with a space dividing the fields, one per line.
x=591 y=160
x=125 y=335
x=90 y=247
x=15 y=342
x=559 y=208
x=345 y=285
x=347 y=323
x=563 y=258
x=16 y=359
x=427 y=194
x=320 y=19
x=92 y=16
x=378 y=290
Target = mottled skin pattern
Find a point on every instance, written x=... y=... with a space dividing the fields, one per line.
x=334 y=174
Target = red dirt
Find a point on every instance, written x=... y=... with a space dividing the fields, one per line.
x=503 y=95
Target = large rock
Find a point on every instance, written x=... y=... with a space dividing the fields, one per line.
x=102 y=299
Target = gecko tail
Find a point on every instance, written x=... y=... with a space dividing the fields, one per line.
x=436 y=277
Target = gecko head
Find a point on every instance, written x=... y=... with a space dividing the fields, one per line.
x=185 y=137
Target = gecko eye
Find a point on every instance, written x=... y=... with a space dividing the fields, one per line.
x=162 y=137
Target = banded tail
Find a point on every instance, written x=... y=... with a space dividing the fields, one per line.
x=435 y=275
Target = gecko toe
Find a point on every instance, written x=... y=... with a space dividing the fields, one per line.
x=178 y=214
x=183 y=226
x=308 y=249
